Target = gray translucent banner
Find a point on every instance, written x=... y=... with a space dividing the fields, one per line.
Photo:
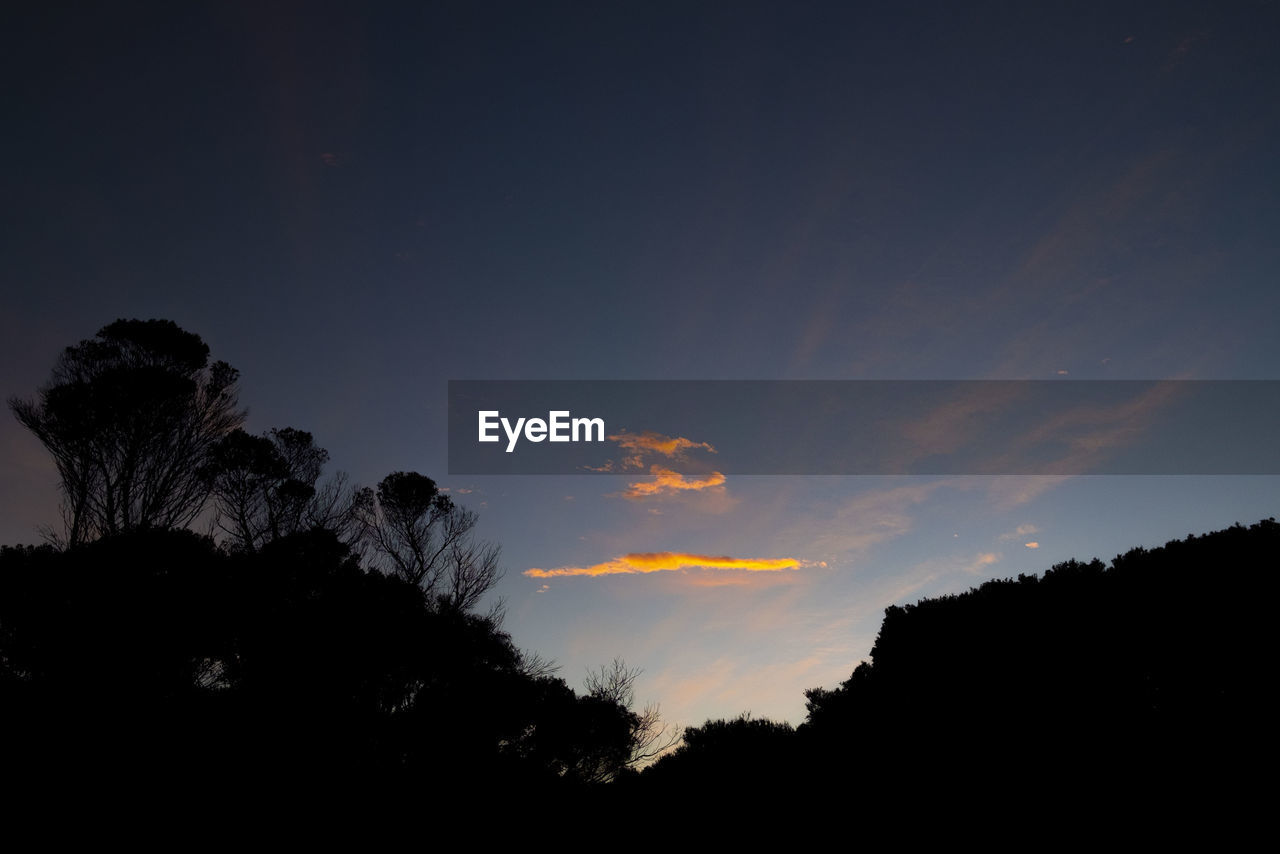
x=708 y=429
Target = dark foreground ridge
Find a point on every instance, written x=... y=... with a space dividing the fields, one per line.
x=158 y=655
x=156 y=659
x=1142 y=682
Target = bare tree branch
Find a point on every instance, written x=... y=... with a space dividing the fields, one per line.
x=650 y=735
x=417 y=533
x=267 y=487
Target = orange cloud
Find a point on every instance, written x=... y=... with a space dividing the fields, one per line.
x=650 y=442
x=637 y=445
x=665 y=481
x=644 y=562
x=1032 y=545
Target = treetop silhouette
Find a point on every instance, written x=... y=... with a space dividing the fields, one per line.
x=131 y=417
x=421 y=536
x=267 y=487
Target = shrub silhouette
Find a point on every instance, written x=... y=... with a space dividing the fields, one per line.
x=1137 y=683
x=1144 y=673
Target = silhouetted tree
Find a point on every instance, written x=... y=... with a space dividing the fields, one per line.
x=421 y=536
x=110 y=651
x=130 y=418
x=648 y=735
x=267 y=487
x=584 y=739
x=282 y=658
x=1141 y=676
x=728 y=755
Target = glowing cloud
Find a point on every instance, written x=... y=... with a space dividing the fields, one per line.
x=656 y=443
x=636 y=446
x=644 y=562
x=668 y=481
x=1032 y=545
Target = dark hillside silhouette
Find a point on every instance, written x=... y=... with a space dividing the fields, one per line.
x=157 y=651
x=1140 y=683
x=279 y=655
x=1147 y=667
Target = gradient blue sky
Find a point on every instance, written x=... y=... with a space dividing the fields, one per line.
x=354 y=205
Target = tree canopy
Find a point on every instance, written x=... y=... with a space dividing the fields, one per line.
x=329 y=631
x=419 y=534
x=131 y=418
x=266 y=487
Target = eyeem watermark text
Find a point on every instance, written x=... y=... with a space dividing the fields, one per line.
x=558 y=427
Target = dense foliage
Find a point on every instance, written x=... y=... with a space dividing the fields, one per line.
x=1142 y=679
x=158 y=650
x=328 y=634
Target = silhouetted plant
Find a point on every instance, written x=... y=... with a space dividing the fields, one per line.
x=648 y=736
x=266 y=487
x=419 y=534
x=728 y=755
x=130 y=418
x=1143 y=673
x=282 y=656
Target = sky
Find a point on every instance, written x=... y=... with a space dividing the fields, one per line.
x=354 y=204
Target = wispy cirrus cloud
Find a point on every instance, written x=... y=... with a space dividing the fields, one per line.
x=1005 y=493
x=1019 y=532
x=650 y=442
x=858 y=524
x=646 y=562
x=1009 y=427
x=666 y=481
x=1094 y=432
x=982 y=561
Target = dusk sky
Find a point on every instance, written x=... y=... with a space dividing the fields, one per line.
x=355 y=203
